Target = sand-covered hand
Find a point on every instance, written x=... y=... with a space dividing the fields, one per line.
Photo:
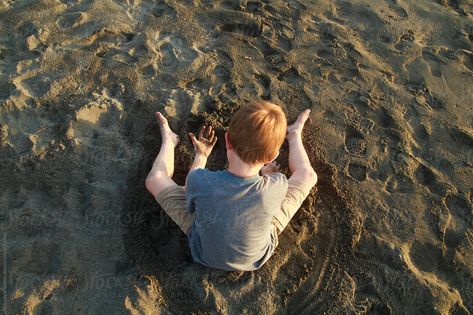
x=206 y=141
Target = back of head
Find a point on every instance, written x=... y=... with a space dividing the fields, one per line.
x=257 y=131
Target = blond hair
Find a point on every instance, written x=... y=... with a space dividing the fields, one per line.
x=257 y=131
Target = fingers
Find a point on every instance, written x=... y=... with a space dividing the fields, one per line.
x=206 y=133
x=193 y=139
x=201 y=132
x=212 y=134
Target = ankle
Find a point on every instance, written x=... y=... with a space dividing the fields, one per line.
x=167 y=141
x=294 y=135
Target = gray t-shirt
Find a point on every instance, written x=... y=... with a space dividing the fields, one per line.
x=232 y=228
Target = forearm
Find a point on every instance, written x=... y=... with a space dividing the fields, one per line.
x=298 y=158
x=199 y=162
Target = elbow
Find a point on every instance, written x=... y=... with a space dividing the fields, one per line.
x=312 y=177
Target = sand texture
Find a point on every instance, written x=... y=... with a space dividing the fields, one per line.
x=388 y=228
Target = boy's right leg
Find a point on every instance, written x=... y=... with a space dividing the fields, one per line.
x=169 y=195
x=303 y=176
x=173 y=201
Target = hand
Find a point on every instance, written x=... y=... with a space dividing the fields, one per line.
x=206 y=141
x=270 y=168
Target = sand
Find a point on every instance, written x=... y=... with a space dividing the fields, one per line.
x=388 y=228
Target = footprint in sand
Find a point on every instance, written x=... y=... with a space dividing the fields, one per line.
x=447 y=270
x=252 y=29
x=161 y=8
x=274 y=55
x=386 y=120
x=356 y=146
x=357 y=171
x=35 y=86
x=426 y=177
x=294 y=97
x=264 y=85
x=284 y=34
x=396 y=8
x=460 y=207
x=466 y=58
x=431 y=258
x=434 y=62
x=69 y=20
x=173 y=50
x=399 y=184
x=123 y=47
x=420 y=133
x=148 y=71
x=292 y=76
x=405 y=41
x=462 y=219
x=462 y=138
x=118 y=55
x=222 y=73
x=426 y=98
x=355 y=143
x=456 y=5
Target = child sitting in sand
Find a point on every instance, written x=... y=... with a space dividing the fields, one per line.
x=233 y=217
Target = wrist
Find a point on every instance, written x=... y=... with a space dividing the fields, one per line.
x=200 y=157
x=294 y=135
x=199 y=161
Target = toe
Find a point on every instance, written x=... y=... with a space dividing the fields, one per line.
x=161 y=118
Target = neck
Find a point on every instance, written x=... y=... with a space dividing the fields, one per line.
x=239 y=168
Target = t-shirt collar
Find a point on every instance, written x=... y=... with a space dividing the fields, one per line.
x=248 y=178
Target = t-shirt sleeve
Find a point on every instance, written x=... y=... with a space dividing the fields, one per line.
x=192 y=189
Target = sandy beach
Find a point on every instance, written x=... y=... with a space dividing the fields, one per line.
x=388 y=228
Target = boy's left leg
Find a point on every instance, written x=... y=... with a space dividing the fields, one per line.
x=169 y=195
x=297 y=192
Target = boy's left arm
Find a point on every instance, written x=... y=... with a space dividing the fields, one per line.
x=203 y=147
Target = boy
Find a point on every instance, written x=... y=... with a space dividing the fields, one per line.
x=233 y=217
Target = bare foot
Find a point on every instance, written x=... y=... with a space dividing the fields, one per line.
x=166 y=132
x=298 y=125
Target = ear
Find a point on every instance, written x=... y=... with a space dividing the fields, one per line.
x=228 y=145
